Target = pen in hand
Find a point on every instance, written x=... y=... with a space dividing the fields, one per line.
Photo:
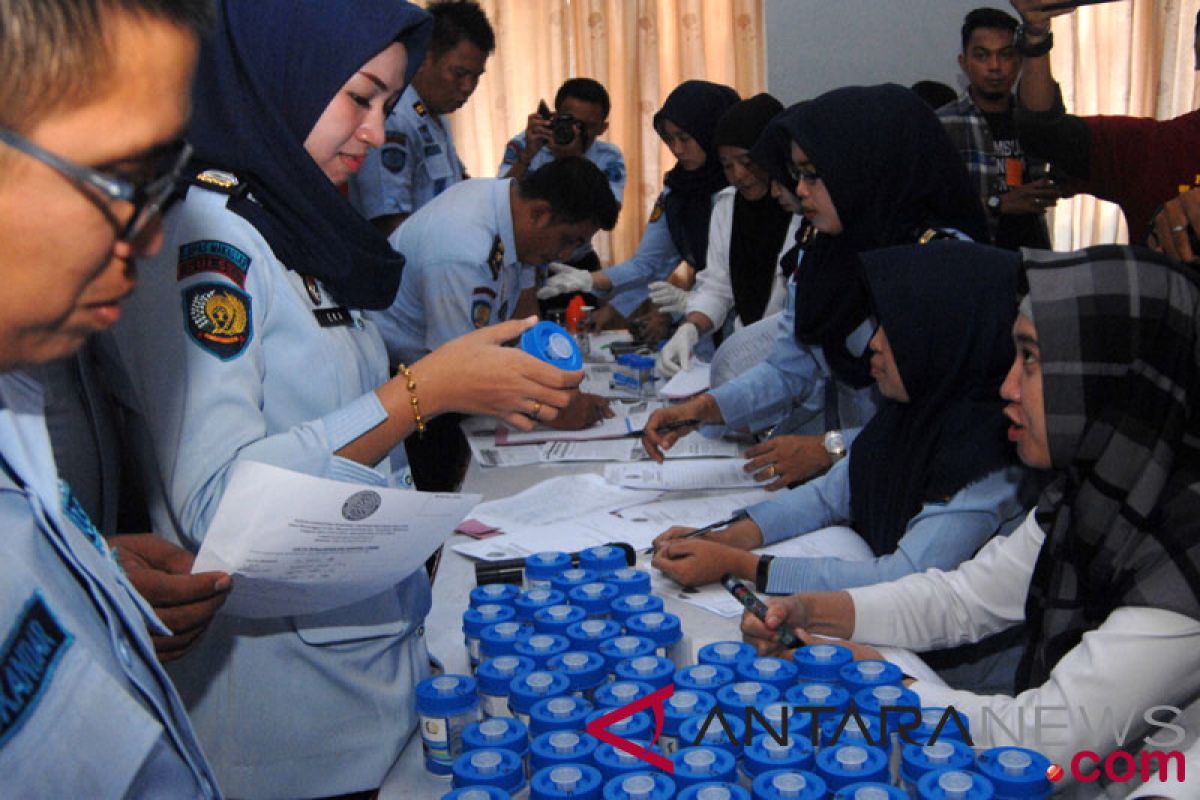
x=665 y=427
x=725 y=523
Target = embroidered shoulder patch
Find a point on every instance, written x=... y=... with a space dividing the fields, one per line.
x=209 y=255
x=217 y=318
x=656 y=212
x=28 y=658
x=392 y=154
x=481 y=312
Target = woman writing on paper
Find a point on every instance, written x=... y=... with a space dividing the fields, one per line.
x=931 y=477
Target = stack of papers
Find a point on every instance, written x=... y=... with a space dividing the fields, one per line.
x=698 y=473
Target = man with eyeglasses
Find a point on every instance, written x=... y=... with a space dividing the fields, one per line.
x=91 y=113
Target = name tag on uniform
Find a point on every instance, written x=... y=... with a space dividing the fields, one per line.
x=333 y=317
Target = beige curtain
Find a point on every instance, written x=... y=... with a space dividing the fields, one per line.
x=639 y=50
x=1133 y=59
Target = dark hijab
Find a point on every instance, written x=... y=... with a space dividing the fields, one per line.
x=759 y=226
x=947 y=309
x=892 y=172
x=266 y=74
x=1118 y=332
x=695 y=106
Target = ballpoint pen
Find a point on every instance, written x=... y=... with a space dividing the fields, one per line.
x=665 y=427
x=746 y=596
x=725 y=523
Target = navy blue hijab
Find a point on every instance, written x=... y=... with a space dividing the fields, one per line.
x=891 y=171
x=696 y=107
x=947 y=309
x=266 y=74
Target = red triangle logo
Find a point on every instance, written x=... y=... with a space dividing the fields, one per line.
x=655 y=700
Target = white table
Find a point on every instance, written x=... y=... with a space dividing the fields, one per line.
x=408 y=779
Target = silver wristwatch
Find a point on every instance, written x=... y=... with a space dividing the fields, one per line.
x=835 y=445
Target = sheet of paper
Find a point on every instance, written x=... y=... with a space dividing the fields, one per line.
x=601 y=450
x=696 y=445
x=557 y=500
x=298 y=544
x=629 y=418
x=487 y=454
x=691 y=381
x=696 y=473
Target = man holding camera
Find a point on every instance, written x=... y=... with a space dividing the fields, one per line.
x=1014 y=189
x=581 y=108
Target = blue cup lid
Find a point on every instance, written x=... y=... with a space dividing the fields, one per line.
x=552 y=343
x=567 y=780
x=636 y=360
x=789 y=784
x=955 y=784
x=502 y=593
x=725 y=653
x=446 y=695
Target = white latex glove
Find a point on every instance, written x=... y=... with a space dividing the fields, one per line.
x=669 y=299
x=565 y=280
x=677 y=353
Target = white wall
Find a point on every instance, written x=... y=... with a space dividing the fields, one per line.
x=817 y=45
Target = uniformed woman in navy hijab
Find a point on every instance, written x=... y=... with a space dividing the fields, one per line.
x=248 y=343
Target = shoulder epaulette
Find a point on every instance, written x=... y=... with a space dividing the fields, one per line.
x=218 y=180
x=934 y=234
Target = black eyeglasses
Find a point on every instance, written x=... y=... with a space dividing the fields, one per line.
x=150 y=195
x=809 y=176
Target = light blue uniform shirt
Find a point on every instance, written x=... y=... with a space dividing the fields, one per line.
x=461 y=270
x=654 y=259
x=416 y=163
x=794 y=381
x=85 y=708
x=226 y=360
x=604 y=155
x=939 y=536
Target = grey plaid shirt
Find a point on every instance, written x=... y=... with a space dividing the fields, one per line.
x=968 y=129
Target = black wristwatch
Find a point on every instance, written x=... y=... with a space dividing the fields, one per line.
x=763 y=572
x=1022 y=46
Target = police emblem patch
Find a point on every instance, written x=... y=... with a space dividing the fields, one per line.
x=208 y=255
x=28 y=658
x=217 y=318
x=361 y=505
x=392 y=154
x=657 y=211
x=481 y=312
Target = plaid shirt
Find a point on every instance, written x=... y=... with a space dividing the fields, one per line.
x=968 y=129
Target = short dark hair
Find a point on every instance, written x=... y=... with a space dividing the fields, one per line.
x=57 y=53
x=576 y=190
x=455 y=21
x=987 y=18
x=585 y=89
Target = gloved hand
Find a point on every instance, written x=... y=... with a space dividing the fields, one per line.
x=668 y=298
x=677 y=353
x=565 y=280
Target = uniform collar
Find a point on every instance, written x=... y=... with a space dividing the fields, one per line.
x=502 y=203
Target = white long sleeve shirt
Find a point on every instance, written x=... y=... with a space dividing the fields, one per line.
x=712 y=295
x=1097 y=698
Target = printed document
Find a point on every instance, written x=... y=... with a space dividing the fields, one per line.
x=298 y=544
